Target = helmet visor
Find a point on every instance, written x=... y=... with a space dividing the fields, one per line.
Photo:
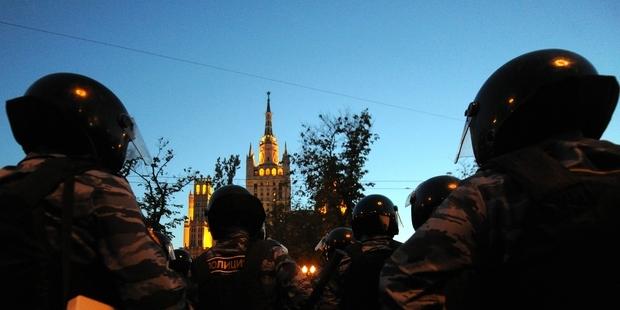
x=136 y=148
x=321 y=246
x=465 y=148
x=408 y=201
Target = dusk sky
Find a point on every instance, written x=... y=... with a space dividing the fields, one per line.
x=196 y=72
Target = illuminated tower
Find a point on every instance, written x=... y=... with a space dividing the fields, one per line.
x=269 y=180
x=196 y=235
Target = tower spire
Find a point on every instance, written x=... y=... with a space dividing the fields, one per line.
x=268 y=129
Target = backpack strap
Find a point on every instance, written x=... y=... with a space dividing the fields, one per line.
x=28 y=189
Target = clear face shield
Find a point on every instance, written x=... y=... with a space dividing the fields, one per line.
x=465 y=149
x=136 y=148
x=321 y=246
x=408 y=201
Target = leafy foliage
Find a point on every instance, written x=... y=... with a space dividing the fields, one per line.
x=160 y=188
x=298 y=230
x=331 y=164
x=225 y=171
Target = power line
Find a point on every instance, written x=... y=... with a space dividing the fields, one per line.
x=214 y=67
x=362 y=181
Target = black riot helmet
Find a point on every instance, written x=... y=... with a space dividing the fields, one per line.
x=164 y=242
x=75 y=115
x=374 y=215
x=182 y=262
x=428 y=196
x=338 y=238
x=231 y=208
x=536 y=96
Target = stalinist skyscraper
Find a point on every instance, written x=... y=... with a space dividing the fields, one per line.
x=196 y=235
x=269 y=179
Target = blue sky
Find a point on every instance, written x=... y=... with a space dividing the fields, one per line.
x=403 y=60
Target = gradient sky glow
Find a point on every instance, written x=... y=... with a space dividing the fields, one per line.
x=406 y=61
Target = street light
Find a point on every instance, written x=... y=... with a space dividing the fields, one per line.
x=308 y=271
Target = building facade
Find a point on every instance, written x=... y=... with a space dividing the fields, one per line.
x=196 y=235
x=269 y=178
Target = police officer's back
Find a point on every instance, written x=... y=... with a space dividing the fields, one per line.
x=374 y=223
x=72 y=224
x=534 y=227
x=243 y=270
x=327 y=289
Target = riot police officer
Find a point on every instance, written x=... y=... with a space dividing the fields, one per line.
x=243 y=270
x=182 y=262
x=427 y=196
x=337 y=239
x=374 y=223
x=72 y=224
x=327 y=290
x=534 y=226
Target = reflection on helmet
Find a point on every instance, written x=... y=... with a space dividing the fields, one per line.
x=74 y=115
x=337 y=238
x=374 y=215
x=232 y=207
x=428 y=196
x=535 y=96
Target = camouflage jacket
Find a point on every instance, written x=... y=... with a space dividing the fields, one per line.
x=332 y=292
x=358 y=285
x=108 y=229
x=281 y=281
x=463 y=232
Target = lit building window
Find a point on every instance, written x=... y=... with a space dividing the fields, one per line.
x=273 y=171
x=343 y=207
x=280 y=171
x=197 y=189
x=268 y=171
x=261 y=172
x=204 y=189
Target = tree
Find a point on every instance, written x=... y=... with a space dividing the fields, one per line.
x=225 y=170
x=156 y=203
x=466 y=168
x=299 y=230
x=331 y=164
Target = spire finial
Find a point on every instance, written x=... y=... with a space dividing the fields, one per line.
x=268 y=130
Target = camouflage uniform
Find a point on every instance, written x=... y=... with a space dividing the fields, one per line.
x=465 y=230
x=332 y=293
x=368 y=248
x=280 y=278
x=108 y=227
